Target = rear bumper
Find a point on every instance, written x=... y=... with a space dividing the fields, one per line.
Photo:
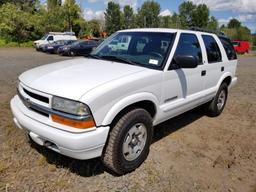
x=84 y=145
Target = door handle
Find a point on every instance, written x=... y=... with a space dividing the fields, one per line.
x=203 y=73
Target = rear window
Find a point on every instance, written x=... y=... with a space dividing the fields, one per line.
x=229 y=48
x=212 y=49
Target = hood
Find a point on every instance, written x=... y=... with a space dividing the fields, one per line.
x=73 y=78
x=39 y=41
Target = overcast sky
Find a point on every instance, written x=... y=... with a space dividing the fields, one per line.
x=223 y=10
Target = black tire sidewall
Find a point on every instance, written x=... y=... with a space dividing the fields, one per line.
x=141 y=117
x=215 y=108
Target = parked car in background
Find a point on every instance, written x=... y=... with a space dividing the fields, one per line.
x=241 y=47
x=52 y=37
x=82 y=48
x=53 y=47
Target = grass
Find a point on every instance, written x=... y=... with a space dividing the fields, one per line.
x=4 y=44
x=248 y=55
x=42 y=161
x=153 y=174
x=61 y=183
x=3 y=166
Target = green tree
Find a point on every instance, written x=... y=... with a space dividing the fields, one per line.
x=186 y=10
x=254 y=39
x=213 y=23
x=25 y=5
x=129 y=18
x=113 y=17
x=94 y=26
x=234 y=23
x=241 y=33
x=148 y=14
x=15 y=24
x=52 y=4
x=176 y=21
x=244 y=33
x=166 y=21
x=200 y=16
x=71 y=13
x=231 y=33
x=54 y=20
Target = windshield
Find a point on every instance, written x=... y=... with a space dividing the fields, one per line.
x=44 y=37
x=148 y=49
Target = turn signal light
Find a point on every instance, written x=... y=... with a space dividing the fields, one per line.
x=74 y=123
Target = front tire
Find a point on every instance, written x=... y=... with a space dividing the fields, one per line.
x=215 y=107
x=72 y=53
x=129 y=142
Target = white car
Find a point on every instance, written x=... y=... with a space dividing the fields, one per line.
x=106 y=105
x=52 y=37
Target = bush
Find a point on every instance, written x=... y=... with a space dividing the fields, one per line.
x=4 y=43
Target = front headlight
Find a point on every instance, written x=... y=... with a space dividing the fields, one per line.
x=75 y=108
x=69 y=106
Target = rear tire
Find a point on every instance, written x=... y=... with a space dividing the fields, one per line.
x=215 y=107
x=129 y=142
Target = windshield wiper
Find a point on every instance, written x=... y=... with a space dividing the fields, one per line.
x=115 y=58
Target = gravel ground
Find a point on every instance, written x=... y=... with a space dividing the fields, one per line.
x=191 y=152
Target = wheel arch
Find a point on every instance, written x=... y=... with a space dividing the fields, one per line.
x=147 y=101
x=227 y=78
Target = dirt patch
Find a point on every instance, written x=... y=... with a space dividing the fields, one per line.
x=191 y=152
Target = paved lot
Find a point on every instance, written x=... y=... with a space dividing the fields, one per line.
x=191 y=152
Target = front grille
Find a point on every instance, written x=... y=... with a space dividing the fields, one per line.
x=37 y=97
x=31 y=106
x=40 y=112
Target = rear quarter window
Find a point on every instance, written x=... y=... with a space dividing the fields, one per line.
x=229 y=48
x=212 y=49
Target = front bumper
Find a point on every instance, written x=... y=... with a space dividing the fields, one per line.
x=85 y=145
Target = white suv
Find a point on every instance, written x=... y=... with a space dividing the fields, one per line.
x=106 y=105
x=52 y=37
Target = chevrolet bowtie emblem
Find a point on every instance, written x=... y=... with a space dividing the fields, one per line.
x=28 y=103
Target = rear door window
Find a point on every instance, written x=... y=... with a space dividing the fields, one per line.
x=229 y=48
x=212 y=49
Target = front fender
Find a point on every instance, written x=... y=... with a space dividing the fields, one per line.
x=127 y=101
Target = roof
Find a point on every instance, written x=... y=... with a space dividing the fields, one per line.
x=164 y=30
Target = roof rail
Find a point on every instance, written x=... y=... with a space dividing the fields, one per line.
x=62 y=33
x=219 y=33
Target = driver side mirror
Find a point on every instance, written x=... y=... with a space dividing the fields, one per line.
x=184 y=61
